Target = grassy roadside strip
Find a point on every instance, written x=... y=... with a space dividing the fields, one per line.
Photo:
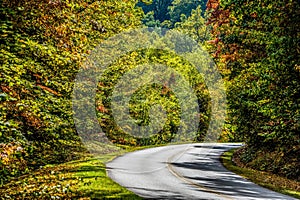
x=79 y=179
x=264 y=179
x=93 y=182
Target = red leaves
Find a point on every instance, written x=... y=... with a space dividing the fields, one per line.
x=8 y=90
x=102 y=109
x=165 y=90
x=48 y=89
x=254 y=15
x=215 y=41
x=31 y=120
x=217 y=15
x=212 y=4
x=217 y=19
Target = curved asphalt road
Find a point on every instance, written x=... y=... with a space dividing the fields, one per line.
x=189 y=171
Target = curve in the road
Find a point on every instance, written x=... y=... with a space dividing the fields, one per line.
x=189 y=171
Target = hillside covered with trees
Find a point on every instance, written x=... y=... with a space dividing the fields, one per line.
x=256 y=46
x=43 y=44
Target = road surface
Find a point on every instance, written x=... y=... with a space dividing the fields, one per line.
x=189 y=171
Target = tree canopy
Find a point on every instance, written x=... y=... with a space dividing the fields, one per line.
x=169 y=12
x=257 y=47
x=43 y=44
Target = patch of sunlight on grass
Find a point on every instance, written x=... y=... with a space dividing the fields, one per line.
x=79 y=179
x=83 y=179
x=296 y=193
x=94 y=183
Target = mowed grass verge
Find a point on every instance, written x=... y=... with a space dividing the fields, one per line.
x=93 y=182
x=264 y=179
x=80 y=179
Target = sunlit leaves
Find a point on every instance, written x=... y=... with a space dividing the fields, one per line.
x=43 y=44
x=257 y=48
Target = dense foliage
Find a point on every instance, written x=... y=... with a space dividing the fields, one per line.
x=256 y=45
x=166 y=13
x=43 y=44
x=149 y=95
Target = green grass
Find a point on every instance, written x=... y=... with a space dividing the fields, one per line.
x=80 y=179
x=93 y=182
x=264 y=179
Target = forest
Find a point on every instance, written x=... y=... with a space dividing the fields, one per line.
x=254 y=45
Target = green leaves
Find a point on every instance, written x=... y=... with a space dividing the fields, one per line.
x=257 y=47
x=43 y=44
x=166 y=13
x=194 y=26
x=149 y=97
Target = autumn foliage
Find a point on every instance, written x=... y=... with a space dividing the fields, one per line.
x=256 y=45
x=42 y=46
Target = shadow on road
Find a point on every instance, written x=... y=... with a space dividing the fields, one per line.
x=213 y=175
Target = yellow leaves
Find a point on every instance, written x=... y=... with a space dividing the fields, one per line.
x=297 y=67
x=8 y=152
x=264 y=101
x=45 y=183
